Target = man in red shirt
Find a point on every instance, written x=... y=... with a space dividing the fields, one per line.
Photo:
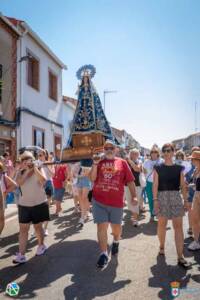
x=110 y=174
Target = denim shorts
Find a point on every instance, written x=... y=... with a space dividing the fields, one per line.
x=59 y=194
x=106 y=214
x=191 y=192
x=83 y=182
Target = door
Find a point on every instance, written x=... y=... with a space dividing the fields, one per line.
x=5 y=146
x=57 y=146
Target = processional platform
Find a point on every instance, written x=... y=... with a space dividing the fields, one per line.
x=90 y=127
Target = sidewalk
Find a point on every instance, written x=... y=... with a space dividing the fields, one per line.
x=10 y=211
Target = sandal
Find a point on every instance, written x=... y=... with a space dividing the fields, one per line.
x=190 y=231
x=161 y=251
x=183 y=263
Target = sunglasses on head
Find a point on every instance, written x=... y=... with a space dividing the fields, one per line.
x=167 y=150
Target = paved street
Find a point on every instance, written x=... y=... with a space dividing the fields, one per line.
x=67 y=270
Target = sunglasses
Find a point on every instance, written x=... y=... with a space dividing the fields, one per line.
x=109 y=148
x=154 y=152
x=167 y=150
x=40 y=155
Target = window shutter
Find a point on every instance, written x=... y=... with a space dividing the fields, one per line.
x=43 y=140
x=30 y=71
x=35 y=74
x=49 y=84
x=55 y=87
x=34 y=137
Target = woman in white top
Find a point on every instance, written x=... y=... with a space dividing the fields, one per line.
x=148 y=166
x=33 y=205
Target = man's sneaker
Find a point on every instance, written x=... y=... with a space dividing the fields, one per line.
x=190 y=231
x=102 y=261
x=115 y=248
x=194 y=246
x=19 y=259
x=41 y=250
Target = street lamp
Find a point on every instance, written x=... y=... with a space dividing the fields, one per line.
x=104 y=98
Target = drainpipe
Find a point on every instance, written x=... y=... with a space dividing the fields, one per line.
x=21 y=89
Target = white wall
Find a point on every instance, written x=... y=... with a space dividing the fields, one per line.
x=38 y=101
x=67 y=118
x=50 y=130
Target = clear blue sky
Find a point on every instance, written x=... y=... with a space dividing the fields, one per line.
x=148 y=50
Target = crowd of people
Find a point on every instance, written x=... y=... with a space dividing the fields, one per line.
x=166 y=179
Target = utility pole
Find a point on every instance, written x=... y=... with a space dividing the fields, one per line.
x=104 y=98
x=196 y=117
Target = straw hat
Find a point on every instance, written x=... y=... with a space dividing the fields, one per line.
x=26 y=155
x=195 y=155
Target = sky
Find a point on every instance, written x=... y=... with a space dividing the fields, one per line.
x=146 y=50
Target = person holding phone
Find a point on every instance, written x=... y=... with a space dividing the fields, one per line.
x=33 y=205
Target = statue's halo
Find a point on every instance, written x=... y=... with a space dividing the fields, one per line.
x=88 y=69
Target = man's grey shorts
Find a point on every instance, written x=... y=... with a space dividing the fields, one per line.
x=106 y=214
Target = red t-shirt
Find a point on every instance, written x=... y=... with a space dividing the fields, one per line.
x=112 y=176
x=59 y=176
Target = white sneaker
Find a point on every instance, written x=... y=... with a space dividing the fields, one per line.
x=46 y=232
x=41 y=250
x=194 y=246
x=33 y=234
x=81 y=221
x=19 y=259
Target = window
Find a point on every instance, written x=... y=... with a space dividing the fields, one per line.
x=33 y=71
x=38 y=137
x=53 y=86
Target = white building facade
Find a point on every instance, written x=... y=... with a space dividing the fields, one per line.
x=39 y=100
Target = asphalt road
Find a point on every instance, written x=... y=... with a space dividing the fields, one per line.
x=67 y=270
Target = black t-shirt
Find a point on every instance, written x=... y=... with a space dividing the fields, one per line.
x=135 y=174
x=198 y=184
x=168 y=177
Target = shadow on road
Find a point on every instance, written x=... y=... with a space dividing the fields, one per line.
x=67 y=225
x=164 y=274
x=96 y=284
x=75 y=259
x=129 y=231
